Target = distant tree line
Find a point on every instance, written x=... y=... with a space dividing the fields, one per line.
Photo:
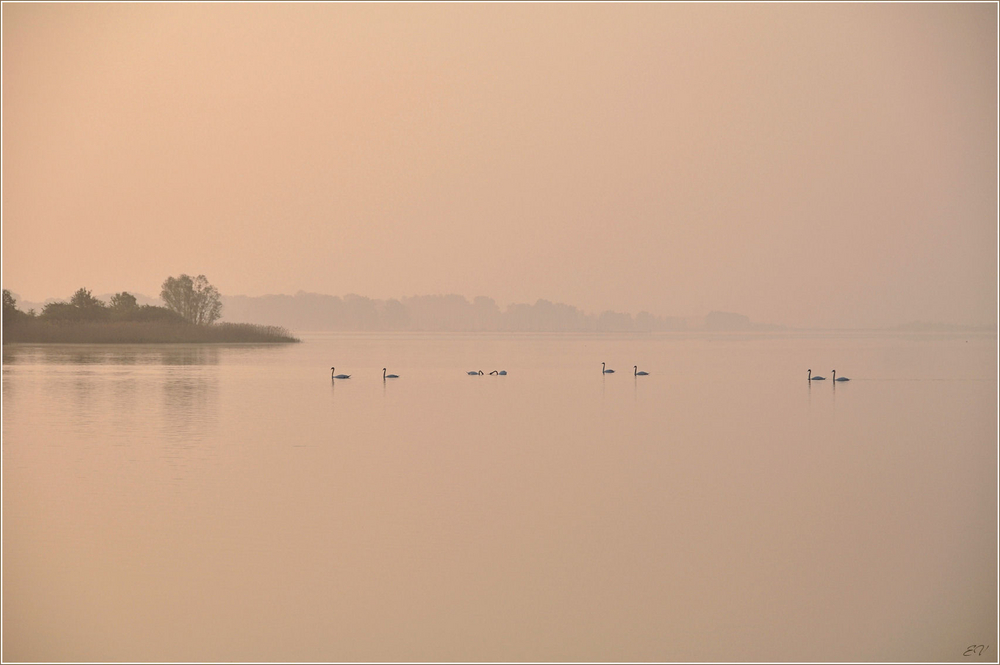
x=194 y=301
x=188 y=301
x=192 y=308
x=311 y=311
x=84 y=307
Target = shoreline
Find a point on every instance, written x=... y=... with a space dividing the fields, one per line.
x=130 y=332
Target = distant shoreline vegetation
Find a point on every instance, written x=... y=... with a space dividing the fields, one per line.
x=137 y=332
x=454 y=313
x=436 y=313
x=192 y=309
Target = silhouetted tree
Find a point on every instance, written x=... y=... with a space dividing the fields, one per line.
x=64 y=311
x=124 y=302
x=82 y=306
x=10 y=311
x=195 y=299
x=83 y=300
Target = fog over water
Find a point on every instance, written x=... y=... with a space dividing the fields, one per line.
x=725 y=196
x=808 y=165
x=234 y=503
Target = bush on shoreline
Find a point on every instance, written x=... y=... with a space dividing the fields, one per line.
x=35 y=331
x=87 y=320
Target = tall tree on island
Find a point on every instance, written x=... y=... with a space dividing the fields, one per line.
x=195 y=299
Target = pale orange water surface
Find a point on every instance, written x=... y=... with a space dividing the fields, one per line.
x=171 y=503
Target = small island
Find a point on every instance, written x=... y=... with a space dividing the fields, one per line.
x=192 y=308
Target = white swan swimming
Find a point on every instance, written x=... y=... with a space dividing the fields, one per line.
x=636 y=372
x=338 y=376
x=502 y=372
x=479 y=373
x=816 y=378
x=843 y=378
x=389 y=376
x=606 y=371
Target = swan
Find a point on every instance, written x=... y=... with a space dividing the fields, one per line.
x=502 y=372
x=606 y=371
x=816 y=378
x=475 y=373
x=636 y=372
x=338 y=376
x=389 y=376
x=843 y=378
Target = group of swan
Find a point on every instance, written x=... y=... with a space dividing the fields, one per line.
x=347 y=376
x=604 y=370
x=385 y=376
x=635 y=370
x=823 y=378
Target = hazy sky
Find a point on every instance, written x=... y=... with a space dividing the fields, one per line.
x=811 y=165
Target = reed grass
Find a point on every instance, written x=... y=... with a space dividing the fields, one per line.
x=136 y=332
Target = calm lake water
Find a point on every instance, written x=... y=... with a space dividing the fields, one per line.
x=174 y=503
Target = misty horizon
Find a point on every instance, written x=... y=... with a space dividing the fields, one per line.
x=704 y=368
x=453 y=312
x=815 y=165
